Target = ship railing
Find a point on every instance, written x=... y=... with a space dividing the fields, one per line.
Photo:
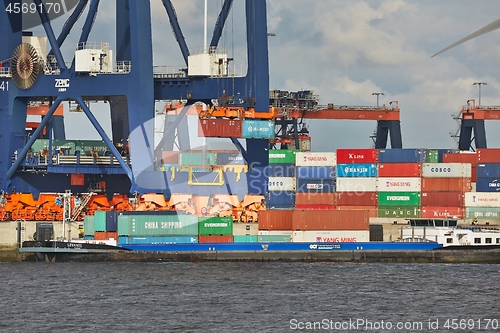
x=90 y=160
x=123 y=67
x=5 y=72
x=168 y=72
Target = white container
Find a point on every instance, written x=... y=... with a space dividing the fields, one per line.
x=331 y=236
x=315 y=159
x=357 y=185
x=398 y=184
x=482 y=199
x=446 y=170
x=282 y=184
x=275 y=232
x=473 y=187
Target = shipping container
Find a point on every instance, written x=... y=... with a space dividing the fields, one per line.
x=446 y=184
x=398 y=199
x=399 y=212
x=315 y=198
x=316 y=159
x=282 y=184
x=487 y=184
x=282 y=156
x=315 y=172
x=88 y=225
x=410 y=170
x=258 y=129
x=280 y=200
x=222 y=128
x=442 y=212
x=357 y=156
x=88 y=237
x=331 y=236
x=111 y=221
x=432 y=156
x=330 y=220
x=372 y=210
x=315 y=185
x=357 y=170
x=274 y=238
x=246 y=239
x=482 y=199
x=357 y=185
x=417 y=155
x=488 y=170
x=215 y=226
x=275 y=219
x=104 y=235
x=464 y=157
x=158 y=225
x=440 y=199
x=356 y=199
x=100 y=221
x=169 y=157
x=230 y=158
x=488 y=155
x=482 y=212
x=447 y=170
x=136 y=240
x=198 y=158
x=245 y=229
x=215 y=239
x=315 y=207
x=281 y=170
x=401 y=184
x=275 y=232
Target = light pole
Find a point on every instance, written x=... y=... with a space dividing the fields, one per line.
x=479 y=84
x=378 y=94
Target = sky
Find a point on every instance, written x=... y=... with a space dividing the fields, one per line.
x=346 y=50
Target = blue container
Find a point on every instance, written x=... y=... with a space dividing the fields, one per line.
x=280 y=200
x=488 y=170
x=246 y=239
x=281 y=170
x=488 y=184
x=315 y=185
x=357 y=170
x=258 y=129
x=230 y=158
x=417 y=155
x=88 y=237
x=315 y=172
x=257 y=180
x=111 y=221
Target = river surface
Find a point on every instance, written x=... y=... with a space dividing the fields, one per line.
x=248 y=297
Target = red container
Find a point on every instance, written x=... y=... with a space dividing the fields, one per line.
x=356 y=199
x=442 y=199
x=442 y=212
x=275 y=219
x=463 y=158
x=372 y=210
x=215 y=239
x=446 y=184
x=488 y=155
x=316 y=207
x=169 y=157
x=103 y=235
x=400 y=170
x=330 y=220
x=357 y=156
x=314 y=198
x=219 y=128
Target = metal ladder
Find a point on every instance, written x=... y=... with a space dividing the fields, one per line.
x=77 y=210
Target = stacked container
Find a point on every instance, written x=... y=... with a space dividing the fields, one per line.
x=315 y=175
x=399 y=182
x=357 y=181
x=105 y=225
x=275 y=225
x=443 y=188
x=281 y=182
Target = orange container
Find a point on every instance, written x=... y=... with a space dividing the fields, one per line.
x=442 y=212
x=103 y=235
x=399 y=169
x=223 y=128
x=215 y=239
x=315 y=198
x=356 y=199
x=372 y=210
x=442 y=199
x=275 y=219
x=330 y=220
x=463 y=158
x=446 y=184
x=316 y=207
x=488 y=155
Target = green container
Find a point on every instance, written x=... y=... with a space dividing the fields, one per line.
x=87 y=146
x=162 y=225
x=100 y=221
x=399 y=212
x=482 y=213
x=282 y=156
x=398 y=199
x=432 y=156
x=246 y=239
x=88 y=226
x=196 y=159
x=123 y=225
x=39 y=145
x=274 y=239
x=215 y=226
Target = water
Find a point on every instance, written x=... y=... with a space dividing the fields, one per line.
x=247 y=297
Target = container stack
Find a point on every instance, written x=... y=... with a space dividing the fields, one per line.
x=399 y=182
x=275 y=226
x=281 y=184
x=315 y=186
x=102 y=224
x=215 y=230
x=443 y=188
x=357 y=181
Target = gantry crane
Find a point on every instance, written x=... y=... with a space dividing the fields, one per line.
x=472 y=119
